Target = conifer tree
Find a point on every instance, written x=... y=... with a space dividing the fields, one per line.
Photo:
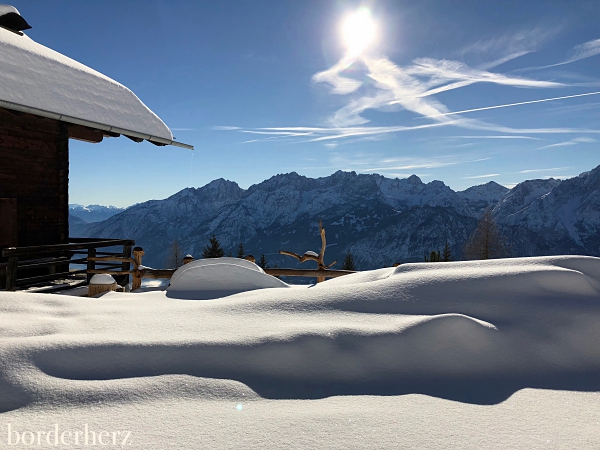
x=433 y=256
x=213 y=249
x=348 y=262
x=447 y=253
x=241 y=252
x=263 y=262
x=487 y=241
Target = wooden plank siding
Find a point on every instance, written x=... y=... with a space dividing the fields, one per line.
x=8 y=222
x=34 y=170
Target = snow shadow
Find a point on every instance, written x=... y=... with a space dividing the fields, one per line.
x=12 y=397
x=452 y=357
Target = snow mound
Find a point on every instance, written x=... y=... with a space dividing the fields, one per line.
x=219 y=277
x=496 y=291
x=209 y=261
x=102 y=278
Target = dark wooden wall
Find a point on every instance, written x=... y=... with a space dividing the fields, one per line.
x=34 y=170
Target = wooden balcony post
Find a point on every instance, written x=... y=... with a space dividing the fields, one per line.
x=124 y=279
x=91 y=265
x=136 y=279
x=11 y=273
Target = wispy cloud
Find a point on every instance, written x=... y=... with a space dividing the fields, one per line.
x=496 y=137
x=225 y=128
x=587 y=50
x=509 y=46
x=419 y=163
x=489 y=175
x=183 y=129
x=503 y=59
x=363 y=162
x=322 y=134
x=579 y=140
x=579 y=52
x=483 y=126
x=570 y=109
x=338 y=133
x=377 y=83
x=411 y=88
x=413 y=166
x=542 y=170
x=442 y=71
x=331 y=133
x=559 y=144
x=467 y=144
x=507 y=105
x=340 y=85
x=271 y=135
x=278 y=133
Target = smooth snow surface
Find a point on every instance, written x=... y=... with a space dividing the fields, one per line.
x=7 y=9
x=102 y=278
x=35 y=76
x=488 y=354
x=219 y=277
x=210 y=261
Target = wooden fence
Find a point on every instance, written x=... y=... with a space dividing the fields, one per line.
x=138 y=272
x=28 y=266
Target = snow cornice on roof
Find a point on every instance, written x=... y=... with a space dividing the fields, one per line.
x=37 y=80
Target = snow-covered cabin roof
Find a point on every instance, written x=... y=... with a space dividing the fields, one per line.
x=41 y=81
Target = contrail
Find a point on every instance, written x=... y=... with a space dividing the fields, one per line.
x=512 y=104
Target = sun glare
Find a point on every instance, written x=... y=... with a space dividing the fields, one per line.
x=358 y=31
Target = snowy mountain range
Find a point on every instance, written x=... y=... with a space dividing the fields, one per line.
x=380 y=220
x=92 y=213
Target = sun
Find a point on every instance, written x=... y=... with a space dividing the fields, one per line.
x=358 y=31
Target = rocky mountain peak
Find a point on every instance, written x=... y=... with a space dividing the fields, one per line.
x=414 y=180
x=380 y=220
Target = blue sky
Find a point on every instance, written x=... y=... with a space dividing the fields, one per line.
x=268 y=87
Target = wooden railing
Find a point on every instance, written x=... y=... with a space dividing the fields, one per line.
x=138 y=272
x=28 y=266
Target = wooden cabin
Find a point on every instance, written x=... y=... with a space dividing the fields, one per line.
x=34 y=180
x=46 y=99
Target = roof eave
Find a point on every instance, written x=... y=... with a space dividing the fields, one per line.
x=86 y=123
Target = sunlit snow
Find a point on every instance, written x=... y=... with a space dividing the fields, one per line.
x=484 y=354
x=37 y=77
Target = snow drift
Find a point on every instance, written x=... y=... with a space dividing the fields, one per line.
x=473 y=332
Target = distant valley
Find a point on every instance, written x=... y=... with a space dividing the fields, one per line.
x=93 y=213
x=81 y=216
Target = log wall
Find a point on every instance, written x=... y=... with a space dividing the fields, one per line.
x=34 y=170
